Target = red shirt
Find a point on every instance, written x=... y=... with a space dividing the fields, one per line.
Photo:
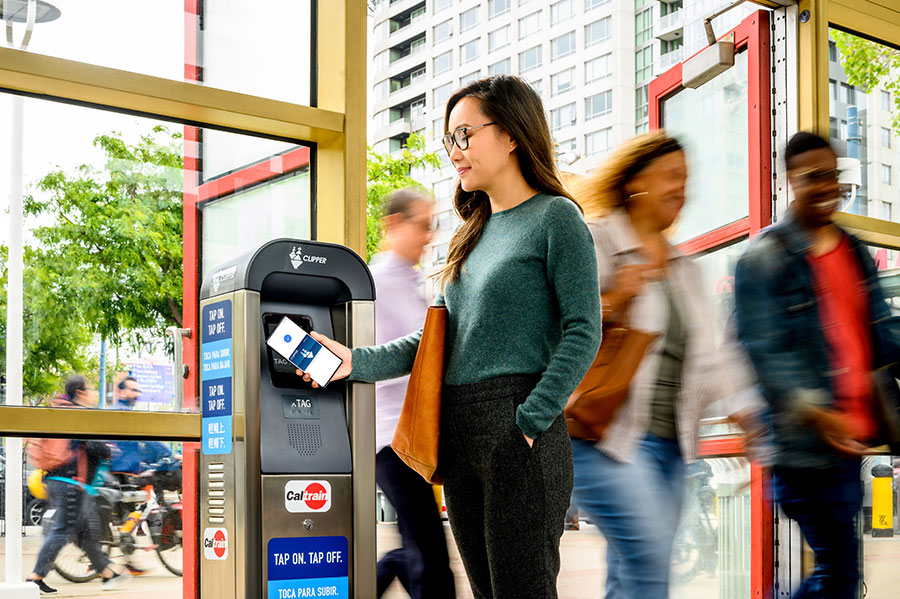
x=843 y=312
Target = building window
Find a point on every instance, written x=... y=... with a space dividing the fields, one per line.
x=561 y=11
x=666 y=46
x=443 y=62
x=832 y=51
x=498 y=7
x=382 y=119
x=643 y=64
x=417 y=110
x=596 y=32
x=886 y=211
x=592 y=4
x=417 y=76
x=381 y=60
x=437 y=128
x=439 y=253
x=643 y=27
x=885 y=137
x=443 y=31
x=641 y=128
x=562 y=117
x=468 y=19
x=466 y=79
x=843 y=129
x=833 y=128
x=441 y=95
x=529 y=59
x=562 y=46
x=641 y=103
x=381 y=31
x=566 y=146
x=498 y=39
x=499 y=68
x=886 y=174
x=417 y=45
x=833 y=88
x=538 y=86
x=848 y=94
x=562 y=82
x=382 y=89
x=468 y=51
x=443 y=189
x=597 y=69
x=885 y=100
x=529 y=25
x=596 y=142
x=597 y=105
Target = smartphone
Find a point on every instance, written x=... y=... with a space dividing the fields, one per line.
x=304 y=352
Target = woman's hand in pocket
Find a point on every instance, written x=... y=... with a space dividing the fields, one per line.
x=338 y=349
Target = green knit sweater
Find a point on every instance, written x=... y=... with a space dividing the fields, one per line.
x=527 y=301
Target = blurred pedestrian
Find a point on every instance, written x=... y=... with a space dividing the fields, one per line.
x=422 y=564
x=520 y=286
x=813 y=318
x=75 y=517
x=630 y=482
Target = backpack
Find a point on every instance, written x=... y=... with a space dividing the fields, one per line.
x=50 y=454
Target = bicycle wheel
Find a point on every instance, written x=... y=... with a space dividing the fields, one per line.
x=169 y=547
x=73 y=564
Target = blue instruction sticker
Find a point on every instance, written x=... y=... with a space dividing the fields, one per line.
x=308 y=567
x=216 y=377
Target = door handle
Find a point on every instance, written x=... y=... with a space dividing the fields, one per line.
x=178 y=336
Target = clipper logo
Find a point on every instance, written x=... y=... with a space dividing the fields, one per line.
x=215 y=543
x=307 y=496
x=297 y=258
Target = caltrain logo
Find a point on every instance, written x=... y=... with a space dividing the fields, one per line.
x=215 y=543
x=307 y=496
x=297 y=257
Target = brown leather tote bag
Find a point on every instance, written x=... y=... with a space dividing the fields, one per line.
x=418 y=430
x=604 y=389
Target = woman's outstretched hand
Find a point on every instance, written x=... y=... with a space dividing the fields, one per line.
x=338 y=349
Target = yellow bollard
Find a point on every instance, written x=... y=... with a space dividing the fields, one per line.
x=882 y=501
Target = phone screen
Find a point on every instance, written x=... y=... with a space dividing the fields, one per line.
x=304 y=352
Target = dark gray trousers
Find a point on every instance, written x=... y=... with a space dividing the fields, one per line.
x=506 y=501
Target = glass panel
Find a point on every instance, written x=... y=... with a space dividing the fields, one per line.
x=246 y=220
x=717 y=267
x=717 y=150
x=119 y=516
x=711 y=553
x=880 y=526
x=268 y=53
x=864 y=103
x=104 y=241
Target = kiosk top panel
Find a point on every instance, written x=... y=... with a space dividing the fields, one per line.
x=295 y=270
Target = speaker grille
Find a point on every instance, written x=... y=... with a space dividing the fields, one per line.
x=305 y=438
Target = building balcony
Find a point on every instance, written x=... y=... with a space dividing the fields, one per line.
x=406 y=63
x=404 y=35
x=671 y=26
x=401 y=7
x=398 y=128
x=402 y=96
x=668 y=60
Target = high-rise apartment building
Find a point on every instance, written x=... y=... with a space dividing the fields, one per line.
x=590 y=60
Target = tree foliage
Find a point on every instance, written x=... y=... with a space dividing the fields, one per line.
x=870 y=65
x=384 y=174
x=104 y=259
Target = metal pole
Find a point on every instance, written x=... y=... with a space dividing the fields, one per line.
x=102 y=373
x=14 y=346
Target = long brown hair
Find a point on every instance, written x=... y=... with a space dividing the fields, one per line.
x=515 y=107
x=604 y=190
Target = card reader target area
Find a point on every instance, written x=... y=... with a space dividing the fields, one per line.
x=308 y=567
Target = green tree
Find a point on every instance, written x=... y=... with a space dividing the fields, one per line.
x=105 y=258
x=115 y=235
x=870 y=65
x=384 y=174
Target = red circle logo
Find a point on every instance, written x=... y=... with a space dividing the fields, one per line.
x=315 y=496
x=219 y=543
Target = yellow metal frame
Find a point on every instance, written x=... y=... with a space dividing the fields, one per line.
x=337 y=126
x=872 y=19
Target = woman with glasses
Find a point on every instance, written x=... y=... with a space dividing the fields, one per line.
x=520 y=286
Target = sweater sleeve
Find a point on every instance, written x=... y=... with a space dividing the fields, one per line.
x=387 y=361
x=572 y=275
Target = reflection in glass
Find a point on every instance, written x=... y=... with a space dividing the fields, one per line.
x=711 y=122
x=866 y=106
x=718 y=267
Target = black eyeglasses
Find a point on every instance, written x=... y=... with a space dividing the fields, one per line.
x=817 y=176
x=460 y=137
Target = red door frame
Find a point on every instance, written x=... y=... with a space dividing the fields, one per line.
x=195 y=194
x=751 y=36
